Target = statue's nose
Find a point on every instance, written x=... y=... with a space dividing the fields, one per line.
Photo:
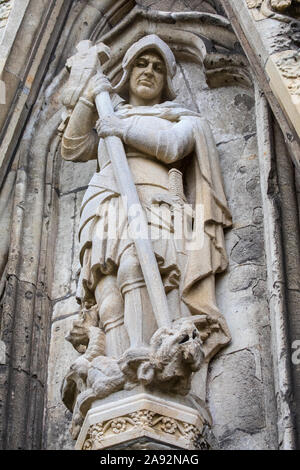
x=149 y=69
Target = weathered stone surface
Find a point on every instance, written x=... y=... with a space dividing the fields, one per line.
x=244 y=276
x=75 y=178
x=291 y=252
x=178 y=5
x=64 y=307
x=250 y=246
x=58 y=417
x=22 y=369
x=2 y=353
x=144 y=443
x=270 y=41
x=58 y=428
x=64 y=284
x=241 y=440
x=283 y=68
x=245 y=394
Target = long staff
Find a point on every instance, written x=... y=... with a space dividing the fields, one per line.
x=128 y=190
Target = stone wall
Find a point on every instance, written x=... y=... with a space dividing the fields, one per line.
x=269 y=35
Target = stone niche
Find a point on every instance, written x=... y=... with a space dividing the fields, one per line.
x=213 y=79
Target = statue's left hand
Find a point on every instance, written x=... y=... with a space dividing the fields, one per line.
x=111 y=126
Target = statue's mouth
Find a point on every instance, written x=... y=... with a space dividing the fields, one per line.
x=145 y=82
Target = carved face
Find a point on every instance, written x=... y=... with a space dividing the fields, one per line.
x=148 y=76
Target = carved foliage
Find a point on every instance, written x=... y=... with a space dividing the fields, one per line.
x=288 y=63
x=282 y=10
x=141 y=420
x=5 y=9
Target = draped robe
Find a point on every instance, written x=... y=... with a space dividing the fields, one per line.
x=161 y=137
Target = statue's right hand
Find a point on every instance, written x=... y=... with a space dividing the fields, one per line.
x=97 y=84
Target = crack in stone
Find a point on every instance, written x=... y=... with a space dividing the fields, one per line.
x=38 y=291
x=21 y=280
x=189 y=88
x=64 y=317
x=32 y=376
x=73 y=191
x=65 y=297
x=223 y=142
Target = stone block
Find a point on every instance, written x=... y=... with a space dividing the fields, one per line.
x=66 y=233
x=235 y=385
x=177 y=5
x=250 y=245
x=65 y=308
x=9 y=87
x=75 y=175
x=58 y=436
x=61 y=355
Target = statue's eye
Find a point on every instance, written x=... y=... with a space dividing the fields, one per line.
x=194 y=334
x=141 y=64
x=184 y=339
x=158 y=68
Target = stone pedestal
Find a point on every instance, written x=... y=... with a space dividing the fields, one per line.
x=141 y=421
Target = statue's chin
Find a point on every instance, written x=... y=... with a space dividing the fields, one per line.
x=146 y=93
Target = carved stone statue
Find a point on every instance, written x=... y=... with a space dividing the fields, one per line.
x=277 y=9
x=174 y=166
x=278 y=5
x=282 y=5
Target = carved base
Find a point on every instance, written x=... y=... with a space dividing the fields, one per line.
x=140 y=419
x=144 y=443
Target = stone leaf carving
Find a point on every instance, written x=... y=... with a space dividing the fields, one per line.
x=5 y=9
x=143 y=419
x=288 y=63
x=254 y=3
x=282 y=10
x=282 y=5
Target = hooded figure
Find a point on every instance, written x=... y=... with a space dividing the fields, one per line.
x=169 y=148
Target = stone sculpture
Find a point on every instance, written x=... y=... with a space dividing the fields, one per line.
x=281 y=10
x=278 y=5
x=172 y=158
